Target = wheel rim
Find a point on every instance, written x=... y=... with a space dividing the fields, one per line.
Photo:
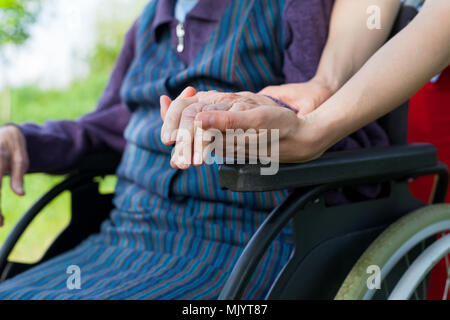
x=402 y=252
x=415 y=231
x=420 y=268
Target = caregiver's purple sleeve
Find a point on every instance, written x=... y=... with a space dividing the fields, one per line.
x=57 y=145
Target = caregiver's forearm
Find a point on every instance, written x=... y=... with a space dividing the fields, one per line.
x=350 y=42
x=390 y=77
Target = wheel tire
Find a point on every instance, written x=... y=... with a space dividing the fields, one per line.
x=385 y=248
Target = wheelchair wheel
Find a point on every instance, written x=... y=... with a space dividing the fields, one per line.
x=392 y=254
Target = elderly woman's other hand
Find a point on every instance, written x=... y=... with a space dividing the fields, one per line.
x=305 y=97
x=13 y=159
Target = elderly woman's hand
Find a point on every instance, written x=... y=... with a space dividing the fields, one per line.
x=13 y=159
x=189 y=120
x=305 y=97
x=180 y=120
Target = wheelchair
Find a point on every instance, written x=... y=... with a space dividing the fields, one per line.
x=335 y=247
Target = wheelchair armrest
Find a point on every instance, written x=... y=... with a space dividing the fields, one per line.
x=96 y=163
x=353 y=166
x=107 y=162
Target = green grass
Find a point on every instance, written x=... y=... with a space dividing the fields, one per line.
x=30 y=104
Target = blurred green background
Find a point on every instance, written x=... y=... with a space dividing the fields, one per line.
x=32 y=104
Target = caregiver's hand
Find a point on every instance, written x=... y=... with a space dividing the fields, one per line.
x=305 y=97
x=299 y=137
x=13 y=159
x=179 y=120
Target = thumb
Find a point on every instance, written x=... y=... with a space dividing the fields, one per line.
x=305 y=106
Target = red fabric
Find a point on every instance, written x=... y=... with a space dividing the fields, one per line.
x=429 y=121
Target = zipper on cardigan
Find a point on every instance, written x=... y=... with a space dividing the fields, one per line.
x=180 y=35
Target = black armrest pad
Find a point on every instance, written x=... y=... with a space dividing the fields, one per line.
x=360 y=165
x=101 y=163
x=107 y=162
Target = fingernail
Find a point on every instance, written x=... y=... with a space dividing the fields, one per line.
x=19 y=189
x=211 y=121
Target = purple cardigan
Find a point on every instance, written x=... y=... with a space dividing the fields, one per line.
x=57 y=145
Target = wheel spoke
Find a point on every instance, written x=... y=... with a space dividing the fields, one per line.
x=447 y=286
x=408 y=263
x=386 y=289
x=425 y=287
x=425 y=281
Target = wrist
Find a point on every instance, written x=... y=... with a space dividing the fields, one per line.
x=331 y=84
x=328 y=125
x=334 y=75
x=312 y=136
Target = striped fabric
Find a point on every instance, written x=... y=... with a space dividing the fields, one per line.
x=175 y=234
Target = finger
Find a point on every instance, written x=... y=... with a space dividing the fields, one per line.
x=211 y=96
x=241 y=106
x=185 y=135
x=189 y=92
x=217 y=107
x=165 y=102
x=172 y=119
x=212 y=146
x=4 y=164
x=198 y=146
x=223 y=120
x=1 y=216
x=2 y=173
x=18 y=170
x=241 y=146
